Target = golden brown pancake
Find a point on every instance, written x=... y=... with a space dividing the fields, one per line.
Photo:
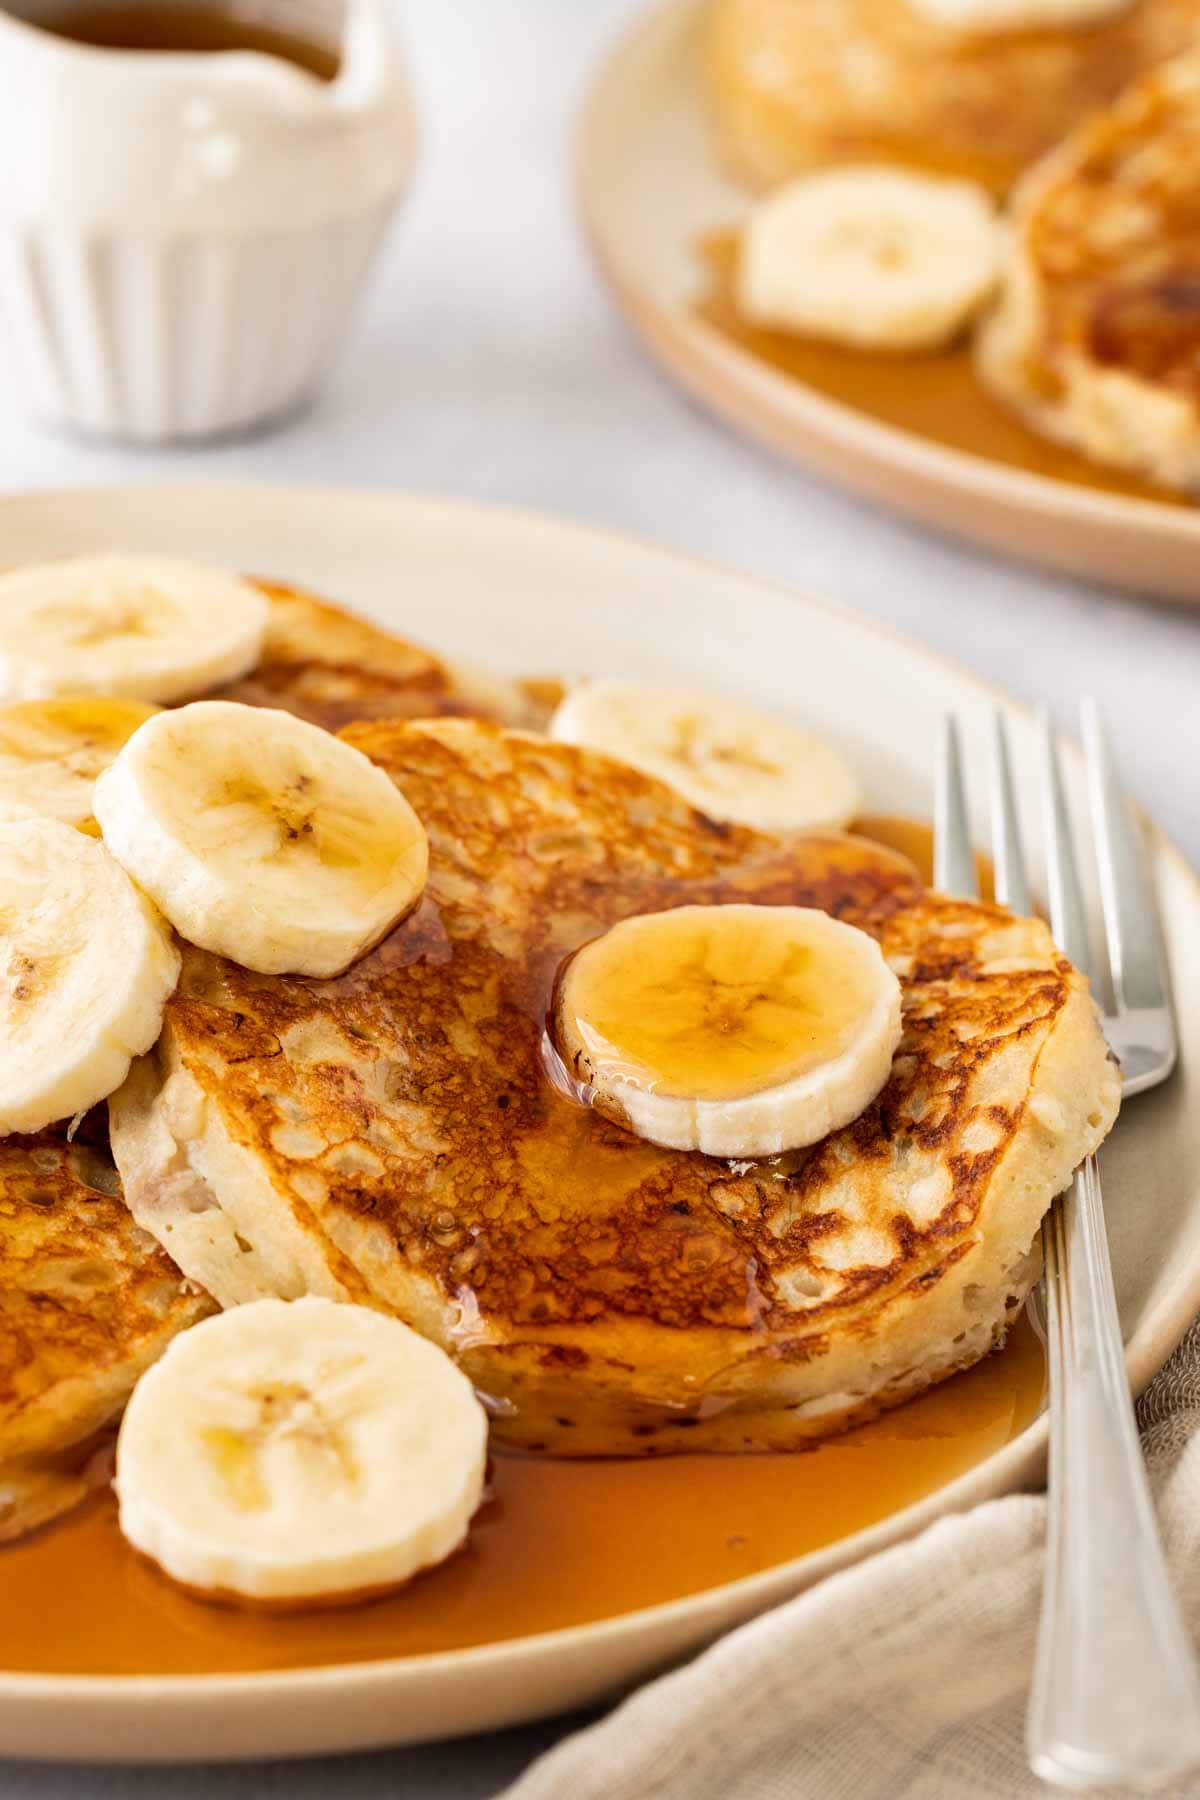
x=392 y=1135
x=87 y=1301
x=1096 y=340
x=332 y=667
x=796 y=84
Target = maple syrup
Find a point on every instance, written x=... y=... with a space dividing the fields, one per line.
x=913 y=838
x=558 y=1542
x=935 y=395
x=190 y=30
x=716 y=1002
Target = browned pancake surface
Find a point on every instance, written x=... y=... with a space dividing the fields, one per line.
x=399 y=1119
x=796 y=83
x=87 y=1301
x=1114 y=235
x=332 y=667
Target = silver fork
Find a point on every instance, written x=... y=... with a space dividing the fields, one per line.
x=1116 y=1694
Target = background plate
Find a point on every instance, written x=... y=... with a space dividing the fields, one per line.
x=650 y=190
x=530 y=595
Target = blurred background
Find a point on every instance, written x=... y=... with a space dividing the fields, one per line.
x=486 y=362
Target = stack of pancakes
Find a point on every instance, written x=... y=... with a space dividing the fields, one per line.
x=391 y=1136
x=87 y=1298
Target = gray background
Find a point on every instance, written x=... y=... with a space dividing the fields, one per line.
x=487 y=363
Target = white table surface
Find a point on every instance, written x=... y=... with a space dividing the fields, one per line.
x=486 y=362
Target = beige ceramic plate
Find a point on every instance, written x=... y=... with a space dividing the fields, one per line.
x=650 y=191
x=490 y=585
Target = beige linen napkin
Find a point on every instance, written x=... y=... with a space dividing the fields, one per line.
x=904 y=1677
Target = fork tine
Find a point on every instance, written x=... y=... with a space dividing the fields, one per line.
x=1012 y=883
x=1130 y=914
x=953 y=862
x=1068 y=920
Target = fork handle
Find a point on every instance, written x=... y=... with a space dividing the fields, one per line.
x=1116 y=1698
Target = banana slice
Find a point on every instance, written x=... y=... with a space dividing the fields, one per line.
x=51 y=752
x=879 y=258
x=733 y=1030
x=981 y=16
x=86 y=966
x=261 y=837
x=139 y=625
x=300 y=1450
x=724 y=757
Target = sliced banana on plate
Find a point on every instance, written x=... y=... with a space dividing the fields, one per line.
x=261 y=837
x=726 y=758
x=86 y=966
x=300 y=1450
x=52 y=751
x=734 y=1030
x=876 y=257
x=145 y=626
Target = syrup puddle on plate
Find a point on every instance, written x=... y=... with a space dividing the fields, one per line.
x=557 y=1544
x=934 y=395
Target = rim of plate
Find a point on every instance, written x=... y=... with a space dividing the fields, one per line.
x=1014 y=1464
x=767 y=403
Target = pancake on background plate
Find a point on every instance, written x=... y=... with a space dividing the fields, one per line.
x=1096 y=341
x=796 y=84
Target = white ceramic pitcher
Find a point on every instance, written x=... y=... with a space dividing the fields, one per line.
x=182 y=234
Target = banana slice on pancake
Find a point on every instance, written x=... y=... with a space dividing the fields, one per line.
x=86 y=967
x=303 y=1450
x=261 y=837
x=149 y=627
x=879 y=258
x=53 y=751
x=725 y=757
x=739 y=1031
